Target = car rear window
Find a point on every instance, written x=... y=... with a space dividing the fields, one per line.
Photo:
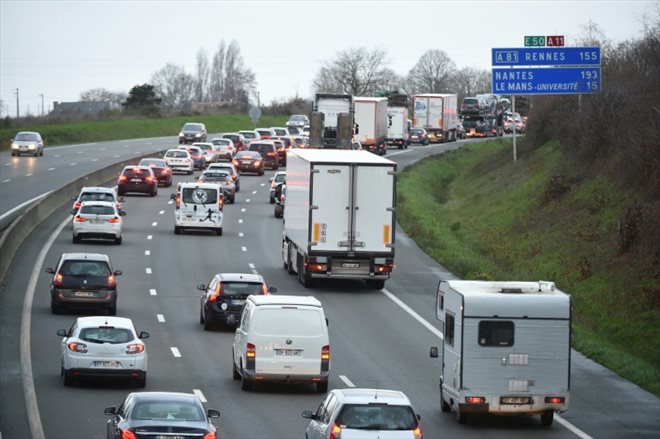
x=172 y=411
x=84 y=268
x=249 y=135
x=106 y=335
x=204 y=147
x=242 y=288
x=192 y=127
x=134 y=173
x=96 y=196
x=153 y=163
x=377 y=417
x=289 y=321
x=231 y=137
x=200 y=196
x=97 y=210
x=177 y=154
x=467 y=101
x=262 y=148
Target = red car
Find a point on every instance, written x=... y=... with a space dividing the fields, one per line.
x=137 y=179
x=161 y=170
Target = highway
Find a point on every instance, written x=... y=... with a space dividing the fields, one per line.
x=378 y=338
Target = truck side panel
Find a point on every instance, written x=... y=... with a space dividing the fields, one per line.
x=329 y=223
x=296 y=214
x=374 y=213
x=365 y=117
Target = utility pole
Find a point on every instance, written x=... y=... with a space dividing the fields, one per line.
x=18 y=114
x=42 y=104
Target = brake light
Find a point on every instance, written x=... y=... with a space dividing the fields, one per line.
x=210 y=436
x=316 y=267
x=418 y=433
x=125 y=434
x=165 y=171
x=221 y=200
x=335 y=432
x=250 y=356
x=554 y=399
x=57 y=280
x=79 y=219
x=383 y=268
x=112 y=281
x=325 y=353
x=235 y=162
x=216 y=294
x=135 y=348
x=122 y=178
x=137 y=170
x=475 y=399
x=76 y=205
x=251 y=351
x=114 y=220
x=178 y=201
x=149 y=179
x=256 y=162
x=77 y=347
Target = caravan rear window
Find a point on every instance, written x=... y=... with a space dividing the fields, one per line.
x=200 y=196
x=496 y=333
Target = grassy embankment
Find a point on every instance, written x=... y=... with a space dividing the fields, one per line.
x=484 y=217
x=103 y=130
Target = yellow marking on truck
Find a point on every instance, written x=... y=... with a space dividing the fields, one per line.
x=317 y=232
x=386 y=234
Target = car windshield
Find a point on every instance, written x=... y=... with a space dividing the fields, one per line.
x=248 y=155
x=106 y=335
x=300 y=143
x=192 y=127
x=242 y=288
x=377 y=417
x=264 y=132
x=232 y=137
x=84 y=268
x=297 y=118
x=204 y=147
x=26 y=137
x=97 y=210
x=97 y=196
x=416 y=132
x=279 y=178
x=172 y=411
x=470 y=101
x=221 y=142
x=262 y=148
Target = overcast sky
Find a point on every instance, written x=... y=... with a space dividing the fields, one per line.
x=61 y=48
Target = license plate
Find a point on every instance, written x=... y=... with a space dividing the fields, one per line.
x=238 y=302
x=97 y=221
x=515 y=400
x=136 y=180
x=288 y=352
x=84 y=294
x=107 y=364
x=245 y=163
x=160 y=436
x=350 y=265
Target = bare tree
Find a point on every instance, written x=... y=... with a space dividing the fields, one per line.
x=174 y=86
x=217 y=76
x=102 y=94
x=470 y=81
x=239 y=81
x=201 y=76
x=433 y=72
x=355 y=71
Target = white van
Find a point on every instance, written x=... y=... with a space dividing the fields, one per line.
x=198 y=206
x=282 y=339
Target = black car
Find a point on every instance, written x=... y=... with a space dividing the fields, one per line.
x=280 y=197
x=249 y=161
x=160 y=415
x=192 y=132
x=418 y=135
x=83 y=280
x=225 y=296
x=162 y=172
x=268 y=151
x=139 y=179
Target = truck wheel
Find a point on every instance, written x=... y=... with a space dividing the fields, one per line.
x=375 y=284
x=303 y=277
x=547 y=417
x=234 y=372
x=218 y=231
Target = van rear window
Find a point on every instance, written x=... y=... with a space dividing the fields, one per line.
x=200 y=196
x=289 y=322
x=496 y=333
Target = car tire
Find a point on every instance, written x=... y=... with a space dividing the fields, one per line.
x=177 y=230
x=272 y=200
x=190 y=172
x=375 y=284
x=547 y=417
x=322 y=387
x=121 y=193
x=234 y=372
x=303 y=277
x=232 y=200
x=461 y=416
x=261 y=173
x=154 y=193
x=55 y=308
x=75 y=239
x=118 y=241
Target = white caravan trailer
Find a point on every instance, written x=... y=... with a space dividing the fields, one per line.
x=506 y=348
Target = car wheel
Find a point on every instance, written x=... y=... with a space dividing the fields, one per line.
x=207 y=323
x=322 y=387
x=461 y=417
x=140 y=383
x=190 y=172
x=232 y=200
x=272 y=200
x=261 y=173
x=218 y=231
x=118 y=241
x=120 y=193
x=154 y=193
x=54 y=307
x=177 y=230
x=547 y=417
x=376 y=284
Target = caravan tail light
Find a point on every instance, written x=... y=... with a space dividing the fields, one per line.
x=57 y=280
x=250 y=356
x=554 y=399
x=475 y=399
x=325 y=358
x=335 y=432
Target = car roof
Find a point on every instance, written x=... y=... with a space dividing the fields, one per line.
x=98 y=189
x=87 y=256
x=160 y=396
x=285 y=300
x=154 y=159
x=28 y=132
x=120 y=322
x=365 y=396
x=240 y=277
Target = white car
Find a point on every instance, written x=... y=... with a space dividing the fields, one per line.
x=250 y=136
x=364 y=413
x=27 y=142
x=98 y=219
x=179 y=160
x=103 y=347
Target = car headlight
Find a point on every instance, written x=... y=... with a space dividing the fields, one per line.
x=14 y=146
x=32 y=146
x=198 y=135
x=181 y=134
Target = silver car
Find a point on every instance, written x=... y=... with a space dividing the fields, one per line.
x=98 y=219
x=27 y=142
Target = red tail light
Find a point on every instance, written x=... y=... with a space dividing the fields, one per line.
x=257 y=162
x=178 y=201
x=77 y=204
x=221 y=200
x=554 y=399
x=235 y=162
x=264 y=289
x=135 y=348
x=149 y=179
x=112 y=281
x=122 y=178
x=270 y=154
x=383 y=268
x=250 y=356
x=216 y=294
x=77 y=347
x=137 y=170
x=250 y=351
x=475 y=399
x=164 y=172
x=57 y=280
x=325 y=353
x=79 y=219
x=335 y=432
x=114 y=220
x=125 y=434
x=210 y=436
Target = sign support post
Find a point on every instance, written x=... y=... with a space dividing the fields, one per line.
x=513 y=110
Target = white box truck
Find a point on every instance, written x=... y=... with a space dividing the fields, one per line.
x=397 y=132
x=437 y=114
x=339 y=216
x=371 y=123
x=506 y=348
x=331 y=124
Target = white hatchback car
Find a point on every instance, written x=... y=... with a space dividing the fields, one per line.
x=98 y=219
x=104 y=347
x=179 y=160
x=364 y=413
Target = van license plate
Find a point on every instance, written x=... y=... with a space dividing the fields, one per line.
x=515 y=400
x=350 y=265
x=288 y=352
x=237 y=302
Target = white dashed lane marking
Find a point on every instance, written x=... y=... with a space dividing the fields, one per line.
x=243 y=209
x=175 y=352
x=240 y=234
x=254 y=192
x=240 y=221
x=154 y=224
x=73 y=164
x=346 y=381
x=147 y=252
x=153 y=292
x=161 y=212
x=150 y=236
x=243 y=249
x=251 y=265
x=262 y=185
x=95 y=160
x=29 y=174
x=200 y=394
x=247 y=200
x=161 y=318
x=51 y=169
x=170 y=202
x=147 y=270
x=80 y=152
x=7 y=180
x=115 y=156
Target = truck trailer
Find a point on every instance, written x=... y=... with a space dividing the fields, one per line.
x=332 y=123
x=340 y=216
x=371 y=123
x=437 y=114
x=397 y=132
x=506 y=348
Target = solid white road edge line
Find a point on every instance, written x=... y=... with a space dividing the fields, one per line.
x=31 y=406
x=346 y=381
x=200 y=394
x=32 y=200
x=572 y=428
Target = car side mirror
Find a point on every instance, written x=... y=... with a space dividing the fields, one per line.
x=110 y=411
x=212 y=413
x=143 y=334
x=434 y=352
x=272 y=290
x=61 y=332
x=118 y=272
x=122 y=213
x=201 y=287
x=231 y=321
x=50 y=270
x=172 y=196
x=307 y=414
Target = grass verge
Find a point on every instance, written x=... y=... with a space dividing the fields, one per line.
x=120 y=129
x=485 y=217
